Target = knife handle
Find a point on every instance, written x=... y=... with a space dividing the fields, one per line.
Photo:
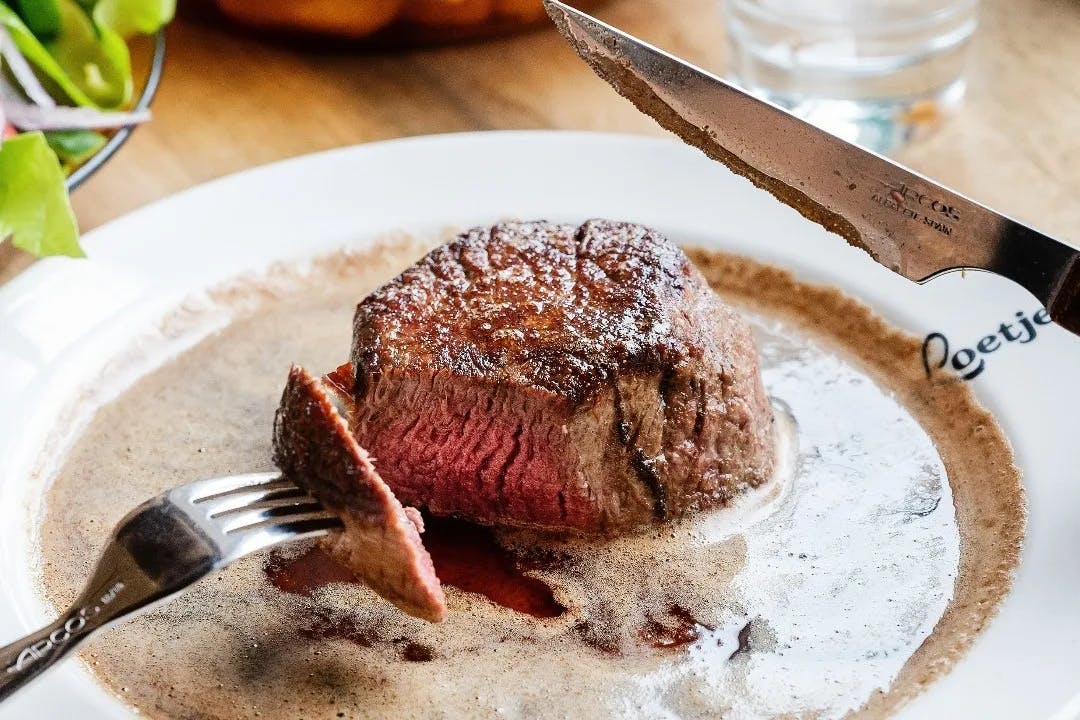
x=1048 y=268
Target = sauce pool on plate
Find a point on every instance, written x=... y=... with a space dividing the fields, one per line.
x=882 y=553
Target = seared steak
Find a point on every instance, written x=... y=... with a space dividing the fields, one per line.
x=583 y=379
x=381 y=542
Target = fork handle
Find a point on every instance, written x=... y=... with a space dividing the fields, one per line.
x=116 y=590
x=25 y=659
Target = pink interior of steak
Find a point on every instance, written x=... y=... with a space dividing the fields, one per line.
x=381 y=543
x=480 y=451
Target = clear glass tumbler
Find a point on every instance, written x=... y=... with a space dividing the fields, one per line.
x=871 y=71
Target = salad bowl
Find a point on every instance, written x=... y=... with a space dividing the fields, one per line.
x=96 y=161
x=67 y=102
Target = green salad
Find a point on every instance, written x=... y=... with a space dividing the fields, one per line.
x=65 y=77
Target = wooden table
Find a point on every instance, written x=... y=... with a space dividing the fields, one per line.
x=229 y=103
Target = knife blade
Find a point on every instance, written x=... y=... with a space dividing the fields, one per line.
x=905 y=221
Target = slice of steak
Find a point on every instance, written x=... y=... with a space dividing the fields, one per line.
x=381 y=541
x=583 y=379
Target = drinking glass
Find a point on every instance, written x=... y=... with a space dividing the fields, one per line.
x=871 y=71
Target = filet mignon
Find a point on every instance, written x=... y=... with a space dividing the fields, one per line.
x=583 y=379
x=381 y=542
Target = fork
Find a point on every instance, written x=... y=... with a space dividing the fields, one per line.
x=162 y=548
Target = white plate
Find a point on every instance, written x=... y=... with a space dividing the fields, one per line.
x=63 y=320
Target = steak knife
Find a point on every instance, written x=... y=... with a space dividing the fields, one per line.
x=905 y=221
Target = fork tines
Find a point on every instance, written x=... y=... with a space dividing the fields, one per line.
x=258 y=500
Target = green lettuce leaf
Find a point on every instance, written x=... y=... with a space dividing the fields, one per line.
x=34 y=208
x=129 y=17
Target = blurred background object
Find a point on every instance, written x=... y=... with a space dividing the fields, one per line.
x=387 y=22
x=875 y=72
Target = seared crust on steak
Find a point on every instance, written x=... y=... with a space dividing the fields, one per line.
x=381 y=542
x=568 y=378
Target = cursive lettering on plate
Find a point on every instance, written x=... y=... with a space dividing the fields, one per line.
x=938 y=353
